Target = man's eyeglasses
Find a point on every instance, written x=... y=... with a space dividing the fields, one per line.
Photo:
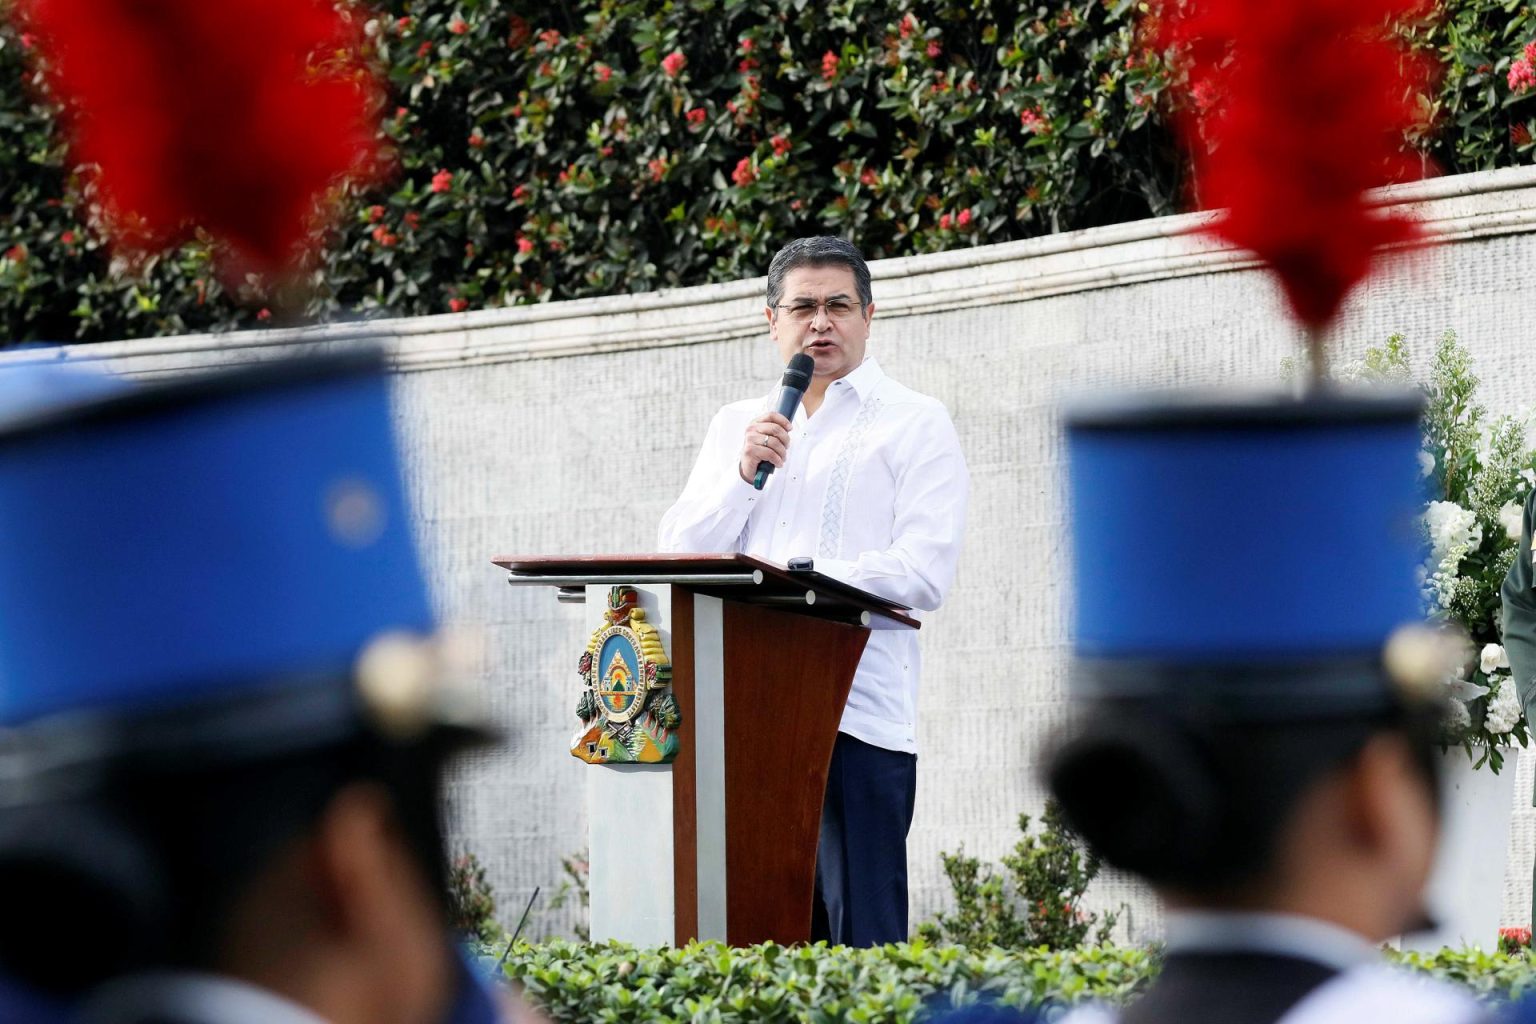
x=805 y=312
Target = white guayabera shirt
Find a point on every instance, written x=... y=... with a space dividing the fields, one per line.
x=874 y=489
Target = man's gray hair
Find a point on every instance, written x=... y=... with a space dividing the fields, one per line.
x=820 y=251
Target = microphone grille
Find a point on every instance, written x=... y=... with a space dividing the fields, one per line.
x=797 y=374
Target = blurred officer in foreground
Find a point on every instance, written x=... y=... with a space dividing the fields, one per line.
x=1256 y=708
x=225 y=716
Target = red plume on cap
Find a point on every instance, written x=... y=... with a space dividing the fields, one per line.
x=1296 y=108
x=231 y=116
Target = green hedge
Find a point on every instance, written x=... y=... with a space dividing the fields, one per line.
x=601 y=146
x=617 y=984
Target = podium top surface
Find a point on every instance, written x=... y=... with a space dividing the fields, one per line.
x=735 y=576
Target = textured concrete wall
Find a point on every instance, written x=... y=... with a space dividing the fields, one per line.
x=569 y=428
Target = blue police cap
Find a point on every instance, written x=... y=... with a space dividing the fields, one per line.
x=226 y=535
x=1251 y=553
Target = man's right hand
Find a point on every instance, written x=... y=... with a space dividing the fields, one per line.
x=767 y=440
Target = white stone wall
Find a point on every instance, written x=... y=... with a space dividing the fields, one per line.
x=569 y=428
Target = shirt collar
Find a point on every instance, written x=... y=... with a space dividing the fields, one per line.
x=194 y=997
x=1288 y=935
x=863 y=379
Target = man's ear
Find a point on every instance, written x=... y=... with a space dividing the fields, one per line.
x=773 y=325
x=357 y=854
x=1390 y=805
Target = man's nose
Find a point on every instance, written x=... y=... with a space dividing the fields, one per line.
x=822 y=320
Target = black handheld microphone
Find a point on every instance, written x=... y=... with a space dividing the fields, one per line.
x=797 y=377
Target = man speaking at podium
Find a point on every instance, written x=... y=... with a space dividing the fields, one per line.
x=868 y=481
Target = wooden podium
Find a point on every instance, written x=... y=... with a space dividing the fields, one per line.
x=721 y=843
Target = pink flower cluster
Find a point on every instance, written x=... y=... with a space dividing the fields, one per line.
x=959 y=221
x=442 y=181
x=1522 y=72
x=829 y=62
x=744 y=174
x=1034 y=122
x=673 y=63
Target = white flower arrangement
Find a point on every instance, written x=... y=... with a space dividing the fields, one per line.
x=1483 y=470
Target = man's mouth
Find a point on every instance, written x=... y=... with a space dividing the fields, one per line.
x=820 y=345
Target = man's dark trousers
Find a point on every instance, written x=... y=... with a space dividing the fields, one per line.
x=861 y=860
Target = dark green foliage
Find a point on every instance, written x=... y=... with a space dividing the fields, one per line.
x=605 y=146
x=471 y=903
x=1036 y=901
x=619 y=984
x=557 y=151
x=814 y=984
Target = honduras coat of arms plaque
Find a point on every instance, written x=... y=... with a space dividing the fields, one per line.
x=627 y=712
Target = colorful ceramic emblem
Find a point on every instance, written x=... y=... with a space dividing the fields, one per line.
x=627 y=712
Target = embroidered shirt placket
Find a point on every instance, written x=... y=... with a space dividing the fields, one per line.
x=835 y=504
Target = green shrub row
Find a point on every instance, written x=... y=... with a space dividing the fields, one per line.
x=615 y=984
x=602 y=146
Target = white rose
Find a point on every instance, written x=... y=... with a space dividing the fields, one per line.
x=1426 y=464
x=1493 y=659
x=1512 y=516
x=1504 y=710
x=1453 y=531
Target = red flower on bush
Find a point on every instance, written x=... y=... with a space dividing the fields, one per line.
x=375 y=214
x=1034 y=122
x=520 y=193
x=746 y=64
x=673 y=63
x=518 y=33
x=1522 y=75
x=68 y=238
x=524 y=245
x=424 y=49
x=744 y=174
x=908 y=26
x=747 y=44
x=476 y=140
x=964 y=220
x=780 y=145
x=457 y=26
x=696 y=116
x=403 y=24
x=28 y=40
x=603 y=72
x=263 y=314
x=382 y=235
x=829 y=62
x=934 y=49
x=869 y=177
x=658 y=168
x=944 y=222
x=442 y=181
x=457 y=305
x=16 y=253
x=412 y=220
x=1519 y=134
x=550 y=38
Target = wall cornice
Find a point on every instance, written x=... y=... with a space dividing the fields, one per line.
x=1452 y=209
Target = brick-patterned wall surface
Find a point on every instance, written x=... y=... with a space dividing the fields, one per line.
x=583 y=453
